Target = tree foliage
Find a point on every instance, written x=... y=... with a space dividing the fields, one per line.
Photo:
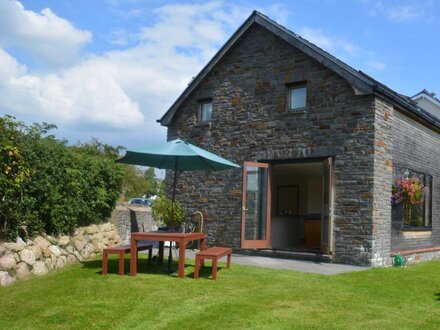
x=13 y=170
x=47 y=186
x=137 y=183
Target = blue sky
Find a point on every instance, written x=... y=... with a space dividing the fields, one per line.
x=110 y=68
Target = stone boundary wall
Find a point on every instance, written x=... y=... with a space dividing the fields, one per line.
x=44 y=253
x=128 y=219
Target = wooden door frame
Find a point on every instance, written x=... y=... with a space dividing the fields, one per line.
x=256 y=244
x=328 y=249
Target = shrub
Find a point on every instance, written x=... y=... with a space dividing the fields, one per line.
x=162 y=210
x=55 y=187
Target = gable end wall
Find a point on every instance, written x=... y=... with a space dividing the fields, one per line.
x=250 y=123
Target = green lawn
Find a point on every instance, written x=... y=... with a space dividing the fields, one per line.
x=78 y=297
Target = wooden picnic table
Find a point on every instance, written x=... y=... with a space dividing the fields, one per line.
x=181 y=238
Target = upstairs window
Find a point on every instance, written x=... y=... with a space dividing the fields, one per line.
x=296 y=97
x=206 y=111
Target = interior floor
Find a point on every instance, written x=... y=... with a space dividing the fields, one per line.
x=301 y=247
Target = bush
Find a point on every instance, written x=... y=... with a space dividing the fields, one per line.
x=54 y=187
x=162 y=210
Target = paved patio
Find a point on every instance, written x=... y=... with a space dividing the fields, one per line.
x=323 y=268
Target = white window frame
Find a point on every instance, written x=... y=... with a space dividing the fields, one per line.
x=202 y=117
x=290 y=90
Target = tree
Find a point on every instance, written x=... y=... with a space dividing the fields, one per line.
x=13 y=169
x=153 y=184
x=133 y=184
x=137 y=183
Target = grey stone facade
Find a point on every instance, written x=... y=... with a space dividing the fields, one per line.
x=418 y=148
x=383 y=179
x=250 y=123
x=361 y=133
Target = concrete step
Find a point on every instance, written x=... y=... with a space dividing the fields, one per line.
x=285 y=254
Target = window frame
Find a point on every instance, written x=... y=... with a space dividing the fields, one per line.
x=290 y=89
x=201 y=104
x=424 y=177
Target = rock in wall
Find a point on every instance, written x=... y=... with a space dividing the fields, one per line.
x=38 y=256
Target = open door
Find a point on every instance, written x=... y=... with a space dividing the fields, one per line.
x=255 y=215
x=326 y=206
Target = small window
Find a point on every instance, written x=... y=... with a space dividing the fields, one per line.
x=297 y=97
x=206 y=111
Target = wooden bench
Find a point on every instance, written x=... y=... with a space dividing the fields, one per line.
x=213 y=253
x=121 y=251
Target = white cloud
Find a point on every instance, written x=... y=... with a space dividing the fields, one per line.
x=121 y=37
x=119 y=92
x=328 y=43
x=376 y=65
x=404 y=13
x=40 y=33
x=342 y=49
x=9 y=66
x=399 y=11
x=82 y=95
x=198 y=28
x=317 y=37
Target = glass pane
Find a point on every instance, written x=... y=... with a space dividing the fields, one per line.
x=428 y=200
x=326 y=168
x=206 y=111
x=256 y=203
x=416 y=215
x=298 y=98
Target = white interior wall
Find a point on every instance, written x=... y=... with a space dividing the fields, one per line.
x=314 y=194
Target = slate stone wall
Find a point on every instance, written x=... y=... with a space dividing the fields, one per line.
x=417 y=148
x=250 y=123
x=383 y=178
x=128 y=219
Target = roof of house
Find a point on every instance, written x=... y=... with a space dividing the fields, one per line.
x=361 y=83
x=427 y=95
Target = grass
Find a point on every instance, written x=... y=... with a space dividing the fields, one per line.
x=243 y=297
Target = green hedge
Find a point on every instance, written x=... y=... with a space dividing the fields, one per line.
x=48 y=186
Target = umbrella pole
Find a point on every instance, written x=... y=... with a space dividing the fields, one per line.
x=170 y=255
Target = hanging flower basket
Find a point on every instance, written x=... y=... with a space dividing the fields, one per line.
x=410 y=193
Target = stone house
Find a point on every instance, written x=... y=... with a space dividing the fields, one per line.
x=321 y=145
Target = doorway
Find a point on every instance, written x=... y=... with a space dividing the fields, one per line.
x=296 y=206
x=287 y=206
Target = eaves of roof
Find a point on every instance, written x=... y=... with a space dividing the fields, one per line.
x=361 y=83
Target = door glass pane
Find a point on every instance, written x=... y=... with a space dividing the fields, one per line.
x=256 y=203
x=326 y=168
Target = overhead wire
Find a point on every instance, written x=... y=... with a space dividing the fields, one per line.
x=76 y=105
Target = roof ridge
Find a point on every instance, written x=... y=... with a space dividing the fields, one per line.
x=361 y=82
x=310 y=44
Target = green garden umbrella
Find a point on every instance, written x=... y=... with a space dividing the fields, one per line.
x=179 y=156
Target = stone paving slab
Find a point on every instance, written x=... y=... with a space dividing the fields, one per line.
x=322 y=268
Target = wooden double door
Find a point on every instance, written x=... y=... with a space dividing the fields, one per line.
x=256 y=206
